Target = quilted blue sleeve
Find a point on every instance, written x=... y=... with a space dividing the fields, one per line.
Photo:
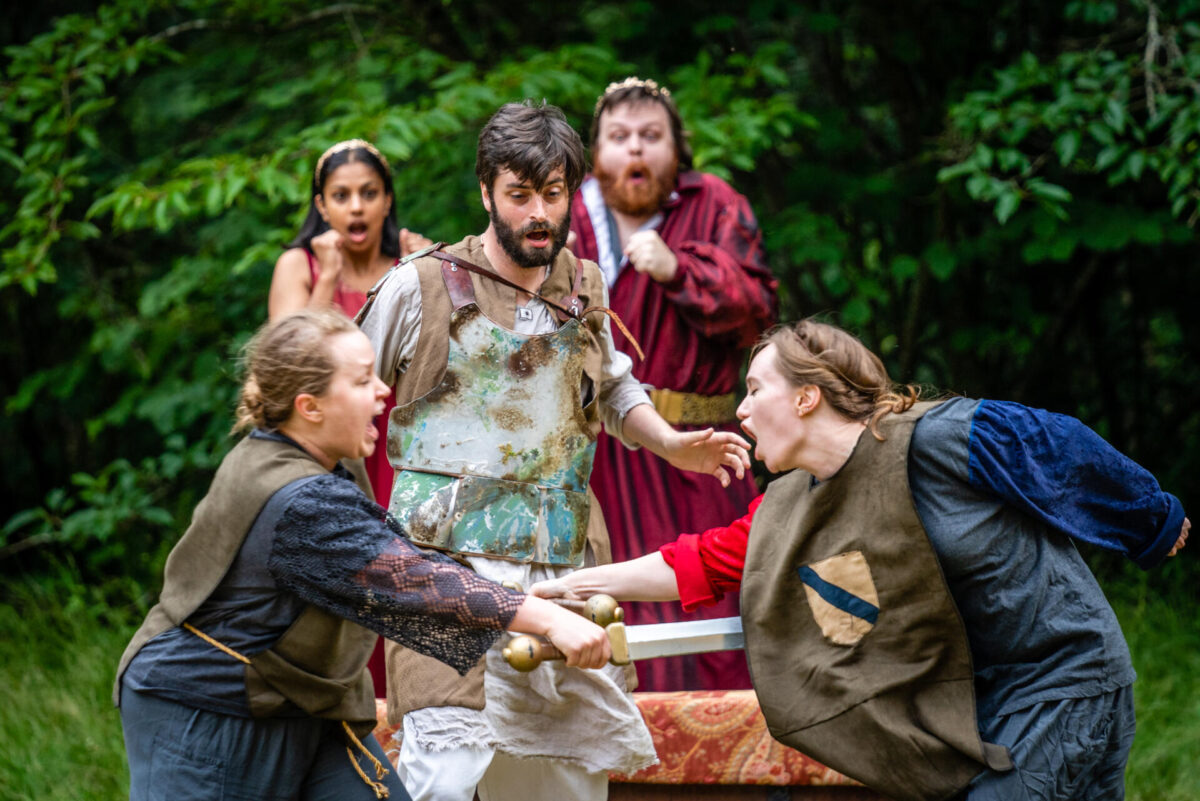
x=1058 y=470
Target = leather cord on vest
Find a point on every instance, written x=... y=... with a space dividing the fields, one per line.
x=381 y=790
x=565 y=312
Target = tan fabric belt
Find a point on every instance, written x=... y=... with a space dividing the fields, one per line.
x=690 y=408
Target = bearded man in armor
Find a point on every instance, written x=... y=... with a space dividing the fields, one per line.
x=501 y=354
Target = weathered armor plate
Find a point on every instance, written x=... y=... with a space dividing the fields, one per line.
x=495 y=460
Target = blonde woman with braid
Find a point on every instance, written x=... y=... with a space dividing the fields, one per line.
x=249 y=677
x=915 y=611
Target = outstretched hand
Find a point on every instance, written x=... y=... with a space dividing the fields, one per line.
x=711 y=452
x=554 y=588
x=1183 y=535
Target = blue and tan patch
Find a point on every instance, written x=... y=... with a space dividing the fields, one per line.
x=842 y=596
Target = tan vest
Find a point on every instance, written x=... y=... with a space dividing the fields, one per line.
x=857 y=650
x=319 y=664
x=415 y=681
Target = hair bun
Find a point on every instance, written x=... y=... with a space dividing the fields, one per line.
x=285 y=359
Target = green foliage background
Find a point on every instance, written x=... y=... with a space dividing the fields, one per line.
x=1002 y=203
x=1000 y=199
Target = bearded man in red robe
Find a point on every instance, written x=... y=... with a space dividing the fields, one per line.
x=682 y=255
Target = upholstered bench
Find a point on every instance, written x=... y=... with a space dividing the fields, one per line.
x=711 y=745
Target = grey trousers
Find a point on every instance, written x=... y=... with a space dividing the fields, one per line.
x=1071 y=749
x=177 y=753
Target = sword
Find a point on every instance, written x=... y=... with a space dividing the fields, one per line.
x=630 y=643
x=601 y=609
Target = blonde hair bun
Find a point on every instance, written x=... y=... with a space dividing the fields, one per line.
x=284 y=359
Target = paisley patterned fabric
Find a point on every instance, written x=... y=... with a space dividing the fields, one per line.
x=702 y=737
x=387 y=734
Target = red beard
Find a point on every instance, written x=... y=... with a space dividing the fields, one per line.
x=636 y=198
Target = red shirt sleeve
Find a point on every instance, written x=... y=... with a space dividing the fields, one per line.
x=710 y=564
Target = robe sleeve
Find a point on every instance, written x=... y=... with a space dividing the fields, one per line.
x=723 y=287
x=1058 y=470
x=337 y=550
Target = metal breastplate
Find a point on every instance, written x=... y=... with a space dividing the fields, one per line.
x=495 y=460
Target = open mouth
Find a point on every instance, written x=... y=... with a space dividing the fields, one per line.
x=538 y=238
x=637 y=172
x=357 y=230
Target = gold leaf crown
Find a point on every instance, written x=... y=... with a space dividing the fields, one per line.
x=632 y=82
x=350 y=144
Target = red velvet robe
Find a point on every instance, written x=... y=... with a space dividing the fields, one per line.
x=694 y=330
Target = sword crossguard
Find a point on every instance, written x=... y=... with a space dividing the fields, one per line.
x=618 y=642
x=525 y=652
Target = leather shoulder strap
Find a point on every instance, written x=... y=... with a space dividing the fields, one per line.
x=458 y=283
x=569 y=308
x=574 y=307
x=475 y=268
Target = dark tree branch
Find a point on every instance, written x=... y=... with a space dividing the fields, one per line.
x=329 y=11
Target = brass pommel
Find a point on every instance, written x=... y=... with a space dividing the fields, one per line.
x=524 y=653
x=602 y=610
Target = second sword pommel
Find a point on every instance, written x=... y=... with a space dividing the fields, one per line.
x=525 y=651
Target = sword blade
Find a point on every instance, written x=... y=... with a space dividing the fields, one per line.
x=685 y=637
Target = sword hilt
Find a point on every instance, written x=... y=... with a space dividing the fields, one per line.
x=526 y=651
x=601 y=609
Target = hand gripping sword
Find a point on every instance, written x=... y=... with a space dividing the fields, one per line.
x=630 y=643
x=601 y=609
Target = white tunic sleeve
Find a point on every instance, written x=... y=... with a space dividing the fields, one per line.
x=393 y=323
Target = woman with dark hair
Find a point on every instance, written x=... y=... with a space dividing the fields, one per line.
x=915 y=611
x=349 y=238
x=248 y=678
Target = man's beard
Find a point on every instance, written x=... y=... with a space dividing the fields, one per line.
x=513 y=240
x=640 y=199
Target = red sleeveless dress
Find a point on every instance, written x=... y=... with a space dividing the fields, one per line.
x=378 y=469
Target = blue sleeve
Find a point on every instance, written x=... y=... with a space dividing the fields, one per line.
x=1058 y=470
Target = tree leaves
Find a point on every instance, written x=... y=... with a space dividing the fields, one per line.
x=994 y=203
x=1083 y=101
